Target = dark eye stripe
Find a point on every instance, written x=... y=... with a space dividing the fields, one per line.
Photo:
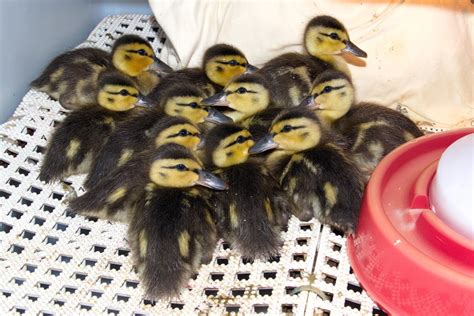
x=117 y=93
x=329 y=35
x=333 y=88
x=228 y=63
x=178 y=134
x=293 y=128
x=136 y=52
x=235 y=141
x=188 y=104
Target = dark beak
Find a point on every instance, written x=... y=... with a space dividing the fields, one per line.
x=264 y=144
x=160 y=66
x=209 y=180
x=217 y=117
x=354 y=50
x=250 y=69
x=309 y=103
x=218 y=99
x=142 y=101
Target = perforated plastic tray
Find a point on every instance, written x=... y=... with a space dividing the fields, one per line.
x=55 y=263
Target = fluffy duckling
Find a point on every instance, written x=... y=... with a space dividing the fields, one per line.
x=291 y=74
x=254 y=208
x=371 y=130
x=78 y=139
x=172 y=228
x=221 y=63
x=314 y=167
x=72 y=77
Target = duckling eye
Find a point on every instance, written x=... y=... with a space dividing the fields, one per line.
x=334 y=36
x=286 y=129
x=183 y=132
x=240 y=139
x=141 y=52
x=327 y=89
x=241 y=90
x=181 y=167
x=123 y=92
x=233 y=63
x=193 y=105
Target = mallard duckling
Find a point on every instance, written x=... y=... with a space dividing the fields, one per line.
x=78 y=139
x=172 y=228
x=221 y=63
x=72 y=77
x=372 y=130
x=314 y=167
x=252 y=211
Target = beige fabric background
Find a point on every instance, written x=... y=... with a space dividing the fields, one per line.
x=420 y=52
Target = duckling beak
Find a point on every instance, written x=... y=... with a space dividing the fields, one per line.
x=160 y=67
x=142 y=101
x=218 y=99
x=217 y=117
x=354 y=50
x=264 y=144
x=209 y=180
x=309 y=103
x=201 y=144
x=250 y=69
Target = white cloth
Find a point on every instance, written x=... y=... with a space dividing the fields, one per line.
x=419 y=52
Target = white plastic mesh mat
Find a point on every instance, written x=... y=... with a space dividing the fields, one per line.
x=55 y=263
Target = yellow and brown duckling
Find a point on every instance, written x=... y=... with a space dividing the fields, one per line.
x=221 y=63
x=72 y=77
x=372 y=130
x=314 y=167
x=252 y=211
x=172 y=228
x=78 y=139
x=292 y=74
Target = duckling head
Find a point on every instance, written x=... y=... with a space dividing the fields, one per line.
x=174 y=166
x=223 y=62
x=117 y=92
x=325 y=36
x=185 y=100
x=245 y=96
x=227 y=145
x=177 y=130
x=133 y=55
x=332 y=95
x=292 y=131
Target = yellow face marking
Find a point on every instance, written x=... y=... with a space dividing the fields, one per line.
x=183 y=242
x=376 y=149
x=208 y=217
x=408 y=136
x=319 y=45
x=110 y=97
x=304 y=134
x=362 y=130
x=295 y=95
x=142 y=243
x=234 y=219
x=336 y=103
x=303 y=74
x=186 y=135
x=233 y=149
x=292 y=185
x=73 y=148
x=127 y=60
x=116 y=195
x=256 y=99
x=55 y=76
x=146 y=81
x=295 y=158
x=220 y=72
x=268 y=210
x=125 y=157
x=330 y=192
x=164 y=172
x=183 y=106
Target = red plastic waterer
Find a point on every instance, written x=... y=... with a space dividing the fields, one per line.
x=409 y=258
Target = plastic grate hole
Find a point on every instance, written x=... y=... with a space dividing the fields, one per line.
x=17 y=249
x=337 y=232
x=237 y=292
x=336 y=247
x=51 y=240
x=65 y=258
x=138 y=28
x=25 y=201
x=26 y=234
x=13 y=182
x=217 y=276
x=112 y=311
x=20 y=310
x=15 y=214
x=115 y=266
x=287 y=309
x=305 y=227
x=40 y=149
x=80 y=276
x=149 y=302
x=23 y=172
x=96 y=294
x=12 y=153
x=258 y=308
x=331 y=262
x=211 y=292
x=247 y=260
x=30 y=268
x=265 y=291
x=85 y=307
x=293 y=273
x=47 y=208
x=123 y=298
x=302 y=241
x=57 y=196
x=55 y=272
x=329 y=295
x=351 y=304
x=69 y=213
x=378 y=312
x=222 y=261
x=105 y=280
x=44 y=285
x=329 y=279
x=19 y=281
x=35 y=190
x=84 y=231
x=131 y=284
x=269 y=274
x=4 y=163
x=299 y=257
x=225 y=246
x=4 y=194
x=61 y=226
x=274 y=259
x=29 y=131
x=4 y=227
x=32 y=298
x=179 y=306
x=21 y=143
x=150 y=39
x=31 y=160
x=38 y=220
x=98 y=248
x=70 y=289
x=59 y=302
x=232 y=308
x=90 y=262
x=351 y=271
x=123 y=252
x=243 y=276
x=6 y=293
x=354 y=288
x=323 y=312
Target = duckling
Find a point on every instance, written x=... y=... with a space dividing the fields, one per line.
x=172 y=228
x=290 y=75
x=72 y=77
x=221 y=63
x=254 y=209
x=372 y=130
x=314 y=167
x=78 y=139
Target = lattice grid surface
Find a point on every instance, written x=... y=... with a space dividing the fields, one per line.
x=54 y=263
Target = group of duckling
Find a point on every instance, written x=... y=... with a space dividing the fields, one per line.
x=289 y=139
